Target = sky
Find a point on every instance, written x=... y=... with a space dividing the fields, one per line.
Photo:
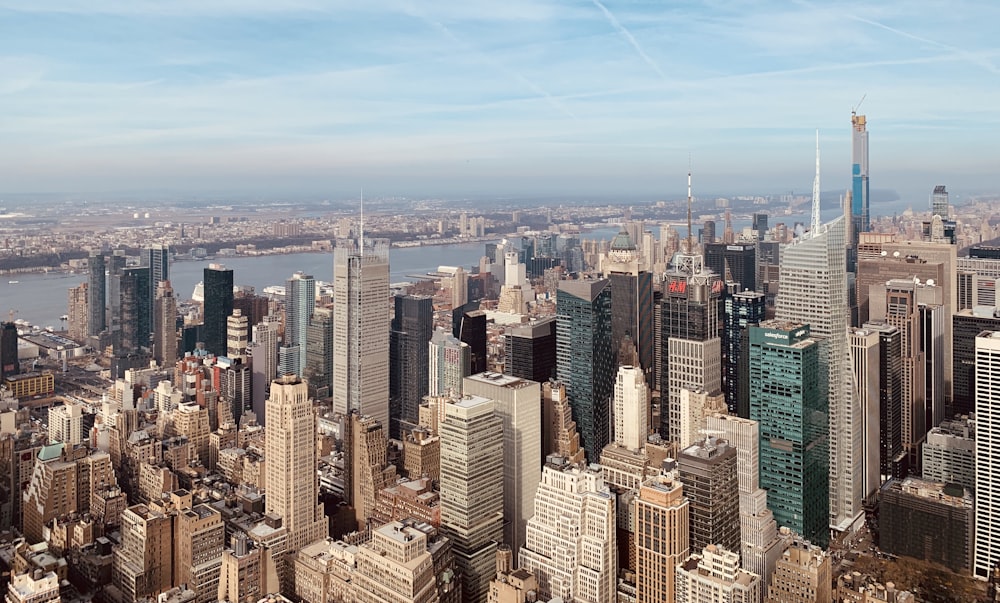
x=494 y=98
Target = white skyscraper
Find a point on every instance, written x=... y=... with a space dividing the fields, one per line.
x=292 y=482
x=631 y=408
x=361 y=328
x=449 y=361
x=519 y=405
x=571 y=541
x=813 y=290
x=715 y=576
x=987 y=552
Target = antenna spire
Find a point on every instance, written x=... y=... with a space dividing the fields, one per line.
x=690 y=245
x=815 y=206
x=361 y=239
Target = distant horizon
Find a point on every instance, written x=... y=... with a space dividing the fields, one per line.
x=470 y=98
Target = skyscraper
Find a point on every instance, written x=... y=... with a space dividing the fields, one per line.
x=165 y=325
x=469 y=326
x=790 y=407
x=237 y=335
x=136 y=311
x=585 y=360
x=903 y=303
x=360 y=328
x=743 y=310
x=292 y=483
x=218 y=287
x=300 y=301
x=661 y=538
x=813 y=291
x=77 y=312
x=96 y=292
x=890 y=400
x=116 y=264
x=472 y=490
x=631 y=408
x=736 y=263
x=449 y=361
x=577 y=564
x=530 y=350
x=939 y=202
x=865 y=360
x=264 y=360
x=707 y=469
x=319 y=353
x=412 y=327
x=631 y=302
x=859 y=174
x=966 y=325
x=802 y=575
x=519 y=406
x=987 y=552
x=715 y=576
x=9 y=364
x=156 y=257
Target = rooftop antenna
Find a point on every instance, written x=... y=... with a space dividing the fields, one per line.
x=361 y=239
x=690 y=246
x=815 y=208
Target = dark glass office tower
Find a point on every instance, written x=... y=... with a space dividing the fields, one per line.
x=759 y=225
x=631 y=302
x=469 y=325
x=412 y=327
x=890 y=390
x=319 y=353
x=116 y=265
x=136 y=312
x=218 y=288
x=734 y=263
x=966 y=325
x=743 y=310
x=96 y=293
x=530 y=350
x=9 y=365
x=585 y=361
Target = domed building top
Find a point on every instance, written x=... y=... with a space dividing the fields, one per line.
x=622 y=242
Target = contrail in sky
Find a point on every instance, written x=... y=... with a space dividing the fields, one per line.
x=628 y=36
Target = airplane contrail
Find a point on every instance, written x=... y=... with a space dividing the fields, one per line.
x=631 y=39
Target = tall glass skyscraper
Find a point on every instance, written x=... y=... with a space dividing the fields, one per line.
x=585 y=360
x=96 y=292
x=411 y=330
x=300 y=301
x=813 y=290
x=743 y=310
x=788 y=402
x=360 y=336
x=860 y=216
x=218 y=287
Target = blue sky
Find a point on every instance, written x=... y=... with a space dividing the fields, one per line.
x=506 y=97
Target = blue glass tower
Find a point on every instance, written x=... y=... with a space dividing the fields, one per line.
x=860 y=216
x=585 y=359
x=787 y=402
x=743 y=310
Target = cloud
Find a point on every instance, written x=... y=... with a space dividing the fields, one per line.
x=631 y=39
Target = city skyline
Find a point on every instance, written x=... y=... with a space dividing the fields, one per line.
x=479 y=98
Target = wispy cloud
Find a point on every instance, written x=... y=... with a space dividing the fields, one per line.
x=631 y=39
x=969 y=56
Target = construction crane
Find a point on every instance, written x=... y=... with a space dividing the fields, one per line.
x=854 y=109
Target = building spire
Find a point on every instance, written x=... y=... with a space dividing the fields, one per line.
x=361 y=239
x=690 y=246
x=815 y=206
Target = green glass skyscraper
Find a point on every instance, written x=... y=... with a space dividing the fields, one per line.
x=786 y=400
x=585 y=360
